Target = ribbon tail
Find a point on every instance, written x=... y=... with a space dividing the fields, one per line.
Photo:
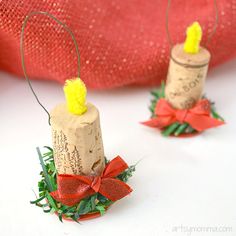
x=114 y=189
x=203 y=122
x=71 y=199
x=159 y=122
x=65 y=200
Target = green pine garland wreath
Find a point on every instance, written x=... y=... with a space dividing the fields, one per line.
x=176 y=128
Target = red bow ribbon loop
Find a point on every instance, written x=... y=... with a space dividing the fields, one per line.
x=73 y=188
x=198 y=117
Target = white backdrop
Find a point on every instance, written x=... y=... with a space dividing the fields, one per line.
x=179 y=184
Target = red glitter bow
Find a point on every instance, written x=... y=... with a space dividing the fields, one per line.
x=198 y=117
x=73 y=188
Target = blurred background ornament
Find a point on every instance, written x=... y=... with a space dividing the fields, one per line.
x=179 y=108
x=77 y=180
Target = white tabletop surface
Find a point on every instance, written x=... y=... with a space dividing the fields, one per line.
x=181 y=186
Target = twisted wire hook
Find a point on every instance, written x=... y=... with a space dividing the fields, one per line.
x=22 y=51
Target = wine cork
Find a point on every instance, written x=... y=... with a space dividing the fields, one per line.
x=186 y=77
x=77 y=141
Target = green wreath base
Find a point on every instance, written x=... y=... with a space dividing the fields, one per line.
x=93 y=205
x=176 y=129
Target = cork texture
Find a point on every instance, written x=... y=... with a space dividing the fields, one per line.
x=185 y=84
x=77 y=141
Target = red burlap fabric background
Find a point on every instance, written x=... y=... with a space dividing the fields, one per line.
x=121 y=41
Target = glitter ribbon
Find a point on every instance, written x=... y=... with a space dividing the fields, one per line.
x=197 y=117
x=73 y=188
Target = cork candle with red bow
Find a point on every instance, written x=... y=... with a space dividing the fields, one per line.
x=78 y=151
x=77 y=181
x=179 y=108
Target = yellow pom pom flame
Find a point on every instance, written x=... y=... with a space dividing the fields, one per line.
x=75 y=93
x=194 y=36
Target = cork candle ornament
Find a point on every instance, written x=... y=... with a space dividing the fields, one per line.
x=187 y=70
x=179 y=107
x=77 y=181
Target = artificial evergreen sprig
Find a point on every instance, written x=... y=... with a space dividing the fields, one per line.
x=96 y=203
